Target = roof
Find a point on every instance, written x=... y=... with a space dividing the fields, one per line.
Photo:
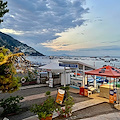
x=107 y=71
x=77 y=62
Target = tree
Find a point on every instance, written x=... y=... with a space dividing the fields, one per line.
x=3 y=9
x=8 y=64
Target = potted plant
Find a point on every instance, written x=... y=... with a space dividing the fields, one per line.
x=29 y=80
x=66 y=111
x=46 y=109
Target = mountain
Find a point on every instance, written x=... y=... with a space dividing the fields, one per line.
x=9 y=42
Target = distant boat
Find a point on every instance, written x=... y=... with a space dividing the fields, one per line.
x=76 y=58
x=106 y=56
x=107 y=61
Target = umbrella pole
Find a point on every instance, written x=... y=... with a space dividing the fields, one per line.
x=116 y=92
x=114 y=84
x=109 y=83
x=109 y=87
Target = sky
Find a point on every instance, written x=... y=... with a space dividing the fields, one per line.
x=69 y=27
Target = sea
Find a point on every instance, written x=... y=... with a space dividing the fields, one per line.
x=97 y=62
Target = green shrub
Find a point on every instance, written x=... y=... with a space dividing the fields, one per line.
x=32 y=76
x=46 y=108
x=10 y=105
x=65 y=88
x=47 y=93
x=118 y=85
x=66 y=111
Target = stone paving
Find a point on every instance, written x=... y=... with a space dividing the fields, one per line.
x=85 y=104
x=110 y=116
x=77 y=106
x=33 y=86
x=33 y=97
x=81 y=105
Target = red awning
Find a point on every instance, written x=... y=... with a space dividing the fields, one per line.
x=107 y=71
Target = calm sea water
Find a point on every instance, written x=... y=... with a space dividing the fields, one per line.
x=97 y=62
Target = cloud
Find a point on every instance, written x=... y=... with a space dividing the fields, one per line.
x=114 y=41
x=42 y=19
x=11 y=31
x=96 y=51
x=72 y=39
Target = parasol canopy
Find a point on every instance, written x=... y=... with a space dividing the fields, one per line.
x=54 y=67
x=107 y=71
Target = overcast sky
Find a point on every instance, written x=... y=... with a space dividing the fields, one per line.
x=72 y=27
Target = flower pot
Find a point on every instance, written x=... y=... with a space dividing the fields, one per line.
x=47 y=118
x=26 y=83
x=32 y=82
x=29 y=83
x=11 y=114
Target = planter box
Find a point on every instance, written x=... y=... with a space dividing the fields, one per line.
x=29 y=83
x=47 y=118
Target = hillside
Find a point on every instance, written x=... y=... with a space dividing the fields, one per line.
x=11 y=43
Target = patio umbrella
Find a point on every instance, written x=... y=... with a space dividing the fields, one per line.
x=107 y=71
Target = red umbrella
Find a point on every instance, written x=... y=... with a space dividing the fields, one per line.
x=107 y=71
